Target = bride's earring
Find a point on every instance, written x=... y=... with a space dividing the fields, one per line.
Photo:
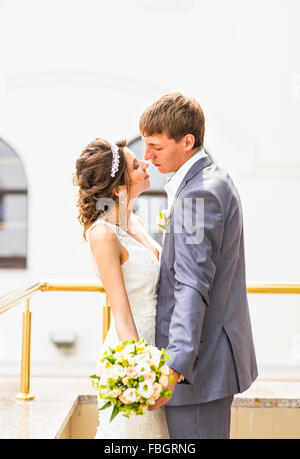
x=122 y=206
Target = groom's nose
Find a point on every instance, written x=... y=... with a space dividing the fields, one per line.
x=148 y=154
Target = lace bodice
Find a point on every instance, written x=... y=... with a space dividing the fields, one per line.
x=140 y=271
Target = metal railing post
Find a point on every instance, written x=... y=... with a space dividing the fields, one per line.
x=106 y=318
x=25 y=365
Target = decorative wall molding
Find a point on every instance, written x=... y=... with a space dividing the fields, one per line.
x=254 y=164
x=272 y=171
x=74 y=77
x=164 y=5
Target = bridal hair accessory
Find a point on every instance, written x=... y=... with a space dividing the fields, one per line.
x=115 y=160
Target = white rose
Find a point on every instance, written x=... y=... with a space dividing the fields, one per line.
x=108 y=373
x=118 y=371
x=128 y=349
x=146 y=354
x=131 y=395
x=145 y=389
x=165 y=370
x=153 y=350
x=142 y=368
x=139 y=357
x=131 y=361
x=126 y=355
x=164 y=381
x=156 y=359
x=150 y=377
x=155 y=354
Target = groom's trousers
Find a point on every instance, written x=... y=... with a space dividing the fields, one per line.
x=205 y=421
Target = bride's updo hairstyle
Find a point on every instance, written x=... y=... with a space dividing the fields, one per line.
x=93 y=177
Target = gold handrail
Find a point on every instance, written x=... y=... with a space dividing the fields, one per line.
x=274 y=288
x=13 y=299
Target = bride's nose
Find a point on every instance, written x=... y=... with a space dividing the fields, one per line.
x=145 y=165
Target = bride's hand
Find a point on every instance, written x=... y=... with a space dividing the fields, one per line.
x=171 y=386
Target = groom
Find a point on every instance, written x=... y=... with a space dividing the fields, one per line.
x=202 y=312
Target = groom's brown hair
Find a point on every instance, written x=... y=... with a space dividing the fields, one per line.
x=176 y=116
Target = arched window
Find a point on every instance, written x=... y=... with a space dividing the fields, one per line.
x=13 y=209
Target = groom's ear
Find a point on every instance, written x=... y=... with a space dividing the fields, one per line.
x=189 y=142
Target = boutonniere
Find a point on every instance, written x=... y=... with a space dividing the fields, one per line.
x=163 y=220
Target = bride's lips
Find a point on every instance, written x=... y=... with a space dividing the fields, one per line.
x=147 y=176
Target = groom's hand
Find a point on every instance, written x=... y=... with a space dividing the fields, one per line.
x=173 y=376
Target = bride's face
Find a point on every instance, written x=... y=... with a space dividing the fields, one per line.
x=139 y=177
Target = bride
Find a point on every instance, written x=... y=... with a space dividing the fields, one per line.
x=126 y=259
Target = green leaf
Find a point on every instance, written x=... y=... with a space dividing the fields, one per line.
x=95 y=377
x=166 y=393
x=107 y=405
x=115 y=412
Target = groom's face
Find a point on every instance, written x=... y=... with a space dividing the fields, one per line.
x=164 y=153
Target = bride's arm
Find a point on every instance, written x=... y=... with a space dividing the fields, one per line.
x=106 y=249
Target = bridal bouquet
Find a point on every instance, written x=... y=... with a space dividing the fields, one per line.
x=134 y=376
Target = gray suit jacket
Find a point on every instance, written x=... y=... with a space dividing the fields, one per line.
x=202 y=313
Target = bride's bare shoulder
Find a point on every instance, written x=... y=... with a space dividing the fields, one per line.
x=102 y=233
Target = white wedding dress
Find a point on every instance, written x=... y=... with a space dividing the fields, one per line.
x=141 y=273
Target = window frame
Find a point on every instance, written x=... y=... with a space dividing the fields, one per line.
x=15 y=262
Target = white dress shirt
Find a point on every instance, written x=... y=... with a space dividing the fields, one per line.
x=173 y=184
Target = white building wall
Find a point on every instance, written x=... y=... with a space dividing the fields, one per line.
x=75 y=70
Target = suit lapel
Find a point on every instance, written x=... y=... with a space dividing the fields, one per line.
x=197 y=167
